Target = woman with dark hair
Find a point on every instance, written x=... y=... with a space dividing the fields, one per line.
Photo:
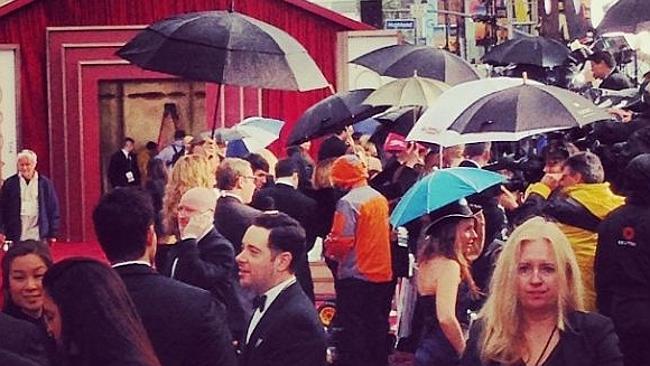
x=155 y=185
x=452 y=238
x=23 y=268
x=90 y=314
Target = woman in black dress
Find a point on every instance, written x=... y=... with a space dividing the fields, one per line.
x=533 y=315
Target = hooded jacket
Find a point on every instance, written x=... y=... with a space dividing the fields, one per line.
x=622 y=265
x=579 y=209
x=359 y=240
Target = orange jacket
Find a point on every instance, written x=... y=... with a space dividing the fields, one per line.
x=359 y=239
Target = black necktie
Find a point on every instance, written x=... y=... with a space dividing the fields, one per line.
x=259 y=302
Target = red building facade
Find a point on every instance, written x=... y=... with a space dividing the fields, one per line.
x=67 y=47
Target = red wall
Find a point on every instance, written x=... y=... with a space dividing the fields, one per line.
x=27 y=28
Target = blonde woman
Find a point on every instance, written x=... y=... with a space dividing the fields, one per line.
x=533 y=315
x=189 y=171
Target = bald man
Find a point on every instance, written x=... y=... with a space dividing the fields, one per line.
x=205 y=258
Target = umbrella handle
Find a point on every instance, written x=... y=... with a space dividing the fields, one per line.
x=216 y=109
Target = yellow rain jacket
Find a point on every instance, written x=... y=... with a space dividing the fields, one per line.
x=579 y=210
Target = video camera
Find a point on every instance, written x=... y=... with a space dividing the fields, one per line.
x=524 y=171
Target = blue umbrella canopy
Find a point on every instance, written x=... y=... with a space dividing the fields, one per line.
x=441 y=188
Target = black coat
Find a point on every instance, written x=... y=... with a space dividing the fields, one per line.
x=49 y=218
x=588 y=340
x=11 y=359
x=22 y=339
x=210 y=264
x=289 y=334
x=616 y=81
x=232 y=218
x=119 y=165
x=622 y=268
x=185 y=325
x=302 y=208
x=295 y=204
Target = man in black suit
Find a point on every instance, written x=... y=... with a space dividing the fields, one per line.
x=288 y=199
x=123 y=168
x=284 y=329
x=232 y=215
x=603 y=67
x=204 y=258
x=186 y=327
x=22 y=339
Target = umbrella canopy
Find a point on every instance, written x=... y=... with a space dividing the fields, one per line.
x=255 y=133
x=440 y=188
x=627 y=16
x=226 y=48
x=401 y=61
x=504 y=109
x=537 y=51
x=331 y=114
x=413 y=91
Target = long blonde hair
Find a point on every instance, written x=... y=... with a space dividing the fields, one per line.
x=501 y=339
x=189 y=171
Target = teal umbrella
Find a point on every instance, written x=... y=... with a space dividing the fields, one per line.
x=441 y=188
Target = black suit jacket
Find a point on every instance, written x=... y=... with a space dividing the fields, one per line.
x=588 y=340
x=210 y=264
x=302 y=208
x=118 y=167
x=49 y=218
x=295 y=204
x=232 y=218
x=289 y=334
x=22 y=339
x=185 y=325
x=616 y=81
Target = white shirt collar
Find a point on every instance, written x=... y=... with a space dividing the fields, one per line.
x=228 y=194
x=286 y=181
x=271 y=295
x=126 y=153
x=275 y=291
x=127 y=263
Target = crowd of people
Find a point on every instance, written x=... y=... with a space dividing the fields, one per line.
x=208 y=260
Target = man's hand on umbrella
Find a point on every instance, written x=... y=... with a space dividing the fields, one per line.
x=409 y=157
x=508 y=200
x=621 y=114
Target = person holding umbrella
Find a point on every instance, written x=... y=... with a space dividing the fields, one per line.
x=447 y=245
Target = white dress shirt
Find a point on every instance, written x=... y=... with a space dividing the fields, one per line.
x=271 y=295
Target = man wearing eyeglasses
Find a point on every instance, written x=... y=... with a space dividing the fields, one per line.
x=233 y=216
x=204 y=258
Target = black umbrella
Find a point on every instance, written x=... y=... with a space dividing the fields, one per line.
x=401 y=61
x=226 y=48
x=537 y=51
x=331 y=114
x=400 y=121
x=628 y=16
x=503 y=114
